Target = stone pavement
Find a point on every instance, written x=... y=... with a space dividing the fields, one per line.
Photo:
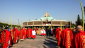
x=39 y=42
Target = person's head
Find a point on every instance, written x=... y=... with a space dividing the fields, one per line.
x=6 y=27
x=66 y=26
x=54 y=27
x=16 y=27
x=34 y=27
x=79 y=28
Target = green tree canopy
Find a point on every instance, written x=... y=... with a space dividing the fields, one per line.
x=79 y=21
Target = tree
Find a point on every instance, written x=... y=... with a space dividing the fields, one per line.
x=73 y=25
x=5 y=25
x=79 y=21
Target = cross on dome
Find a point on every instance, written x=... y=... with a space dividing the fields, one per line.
x=46 y=14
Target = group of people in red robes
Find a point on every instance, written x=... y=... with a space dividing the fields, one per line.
x=8 y=38
x=67 y=39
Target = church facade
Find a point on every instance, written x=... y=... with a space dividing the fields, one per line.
x=46 y=20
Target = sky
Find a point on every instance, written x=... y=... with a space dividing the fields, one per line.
x=26 y=10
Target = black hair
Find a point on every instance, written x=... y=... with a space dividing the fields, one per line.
x=6 y=27
x=66 y=26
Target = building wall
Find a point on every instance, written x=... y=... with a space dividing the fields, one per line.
x=43 y=23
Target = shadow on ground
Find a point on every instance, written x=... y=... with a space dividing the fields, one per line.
x=50 y=43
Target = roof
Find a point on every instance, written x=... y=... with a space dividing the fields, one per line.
x=47 y=17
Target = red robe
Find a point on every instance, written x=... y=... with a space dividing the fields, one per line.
x=25 y=33
x=58 y=36
x=11 y=38
x=56 y=32
x=5 y=38
x=53 y=32
x=21 y=34
x=15 y=34
x=80 y=40
x=29 y=33
x=37 y=28
x=0 y=40
x=67 y=38
x=0 y=35
x=61 y=43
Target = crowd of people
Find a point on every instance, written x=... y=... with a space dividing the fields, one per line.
x=70 y=37
x=8 y=37
x=66 y=37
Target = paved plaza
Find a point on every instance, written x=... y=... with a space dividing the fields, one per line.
x=39 y=42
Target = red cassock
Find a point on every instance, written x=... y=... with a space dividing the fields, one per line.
x=58 y=36
x=21 y=34
x=37 y=28
x=57 y=30
x=61 y=43
x=25 y=33
x=80 y=40
x=10 y=38
x=15 y=34
x=29 y=33
x=62 y=34
x=0 y=35
x=67 y=38
x=0 y=40
x=5 y=38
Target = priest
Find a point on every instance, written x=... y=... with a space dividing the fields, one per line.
x=29 y=33
x=22 y=34
x=5 y=38
x=25 y=33
x=67 y=37
x=15 y=34
x=58 y=36
x=80 y=37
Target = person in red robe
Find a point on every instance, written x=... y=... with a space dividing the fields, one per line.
x=15 y=34
x=10 y=43
x=58 y=35
x=61 y=43
x=37 y=28
x=5 y=38
x=67 y=36
x=29 y=33
x=80 y=37
x=0 y=34
x=25 y=33
x=22 y=34
x=56 y=32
